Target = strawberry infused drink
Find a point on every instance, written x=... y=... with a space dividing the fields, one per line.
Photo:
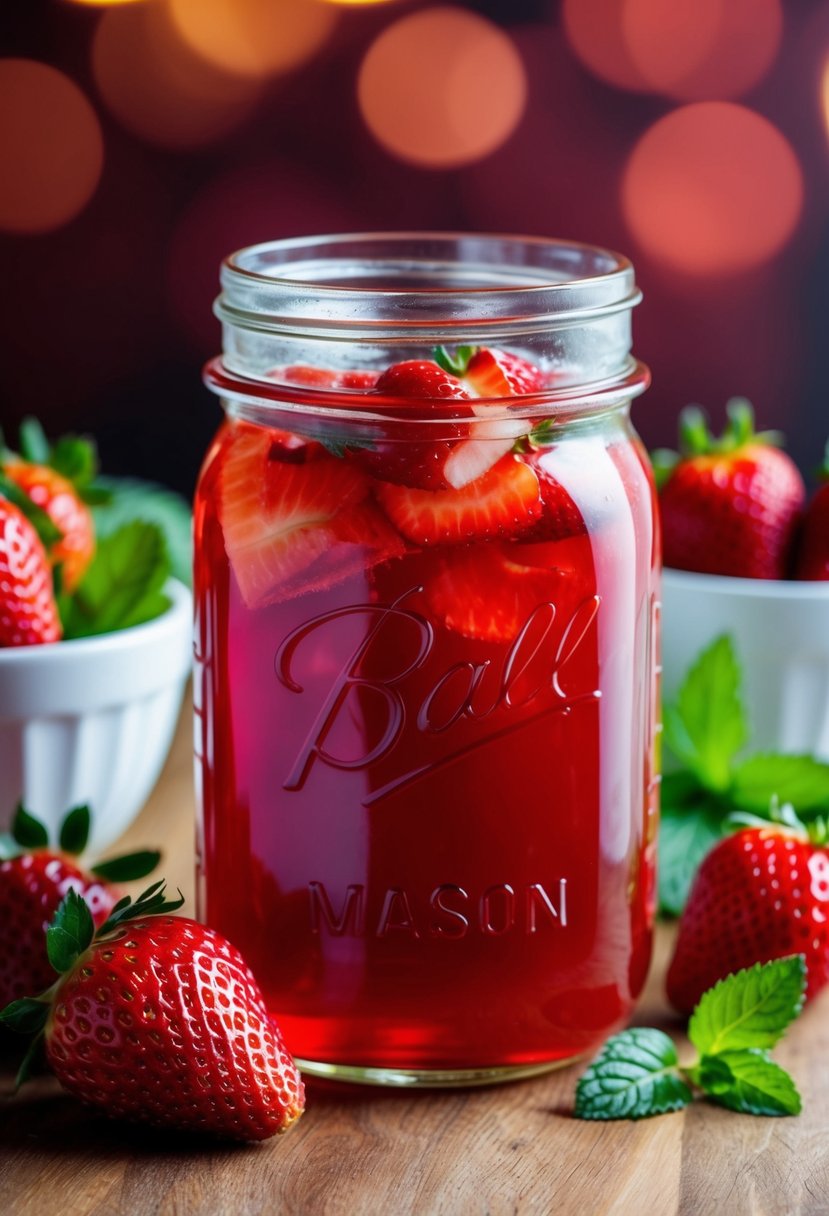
x=426 y=660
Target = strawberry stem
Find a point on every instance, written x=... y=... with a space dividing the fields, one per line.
x=456 y=364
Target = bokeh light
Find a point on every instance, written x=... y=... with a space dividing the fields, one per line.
x=442 y=87
x=594 y=31
x=51 y=147
x=698 y=49
x=254 y=37
x=824 y=94
x=712 y=189
x=159 y=88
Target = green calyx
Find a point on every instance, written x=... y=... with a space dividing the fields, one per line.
x=75 y=457
x=28 y=833
x=456 y=364
x=697 y=439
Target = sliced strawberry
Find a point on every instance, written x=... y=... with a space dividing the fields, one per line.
x=279 y=518
x=502 y=503
x=499 y=373
x=485 y=593
x=560 y=517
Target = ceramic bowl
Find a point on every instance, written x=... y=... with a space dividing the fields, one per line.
x=91 y=720
x=781 y=630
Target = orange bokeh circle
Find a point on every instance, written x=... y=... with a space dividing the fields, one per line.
x=594 y=31
x=712 y=189
x=442 y=87
x=254 y=37
x=159 y=88
x=697 y=49
x=51 y=147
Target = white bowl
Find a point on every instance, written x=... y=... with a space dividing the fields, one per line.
x=91 y=720
x=781 y=630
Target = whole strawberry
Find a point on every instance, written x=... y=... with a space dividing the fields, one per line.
x=34 y=878
x=74 y=548
x=758 y=895
x=730 y=505
x=158 y=1019
x=813 y=551
x=28 y=612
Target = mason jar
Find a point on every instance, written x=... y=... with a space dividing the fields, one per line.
x=427 y=651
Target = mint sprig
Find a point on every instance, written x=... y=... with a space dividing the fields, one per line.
x=706 y=728
x=637 y=1073
x=123 y=586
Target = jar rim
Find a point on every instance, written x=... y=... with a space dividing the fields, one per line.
x=367 y=284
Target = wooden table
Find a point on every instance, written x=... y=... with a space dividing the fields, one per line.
x=505 y=1150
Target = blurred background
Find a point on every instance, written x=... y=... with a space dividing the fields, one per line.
x=141 y=140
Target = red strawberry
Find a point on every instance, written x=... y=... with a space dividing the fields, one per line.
x=159 y=1020
x=813 y=550
x=324 y=378
x=502 y=503
x=499 y=373
x=758 y=895
x=28 y=612
x=58 y=497
x=730 y=506
x=286 y=525
x=32 y=885
x=490 y=591
x=561 y=517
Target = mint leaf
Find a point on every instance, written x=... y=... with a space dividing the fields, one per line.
x=802 y=781
x=707 y=726
x=128 y=868
x=122 y=586
x=634 y=1075
x=74 y=831
x=128 y=499
x=29 y=832
x=70 y=932
x=750 y=1008
x=755 y=1084
x=339 y=447
x=685 y=836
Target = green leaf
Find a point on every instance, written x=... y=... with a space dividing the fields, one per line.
x=685 y=836
x=9 y=847
x=122 y=586
x=46 y=528
x=663 y=462
x=152 y=902
x=70 y=932
x=74 y=831
x=76 y=459
x=339 y=447
x=707 y=726
x=802 y=781
x=456 y=364
x=129 y=867
x=128 y=499
x=634 y=1075
x=34 y=446
x=26 y=1016
x=29 y=832
x=757 y=1086
x=750 y=1008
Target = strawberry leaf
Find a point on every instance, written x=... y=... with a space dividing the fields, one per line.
x=750 y=1008
x=122 y=586
x=129 y=867
x=456 y=364
x=76 y=459
x=802 y=781
x=152 y=902
x=34 y=446
x=685 y=836
x=749 y=1082
x=635 y=1075
x=26 y=1016
x=707 y=726
x=71 y=931
x=29 y=832
x=74 y=831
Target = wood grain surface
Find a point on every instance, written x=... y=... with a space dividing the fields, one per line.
x=505 y=1150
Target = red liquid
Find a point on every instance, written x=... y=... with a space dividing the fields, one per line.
x=436 y=851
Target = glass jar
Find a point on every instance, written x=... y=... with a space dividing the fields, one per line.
x=426 y=652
